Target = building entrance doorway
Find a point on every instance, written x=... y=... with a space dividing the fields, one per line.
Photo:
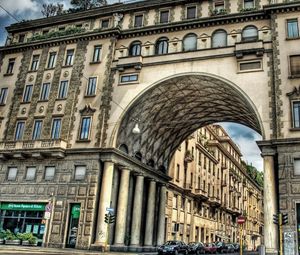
x=73 y=226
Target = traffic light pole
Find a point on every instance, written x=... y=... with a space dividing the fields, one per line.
x=280 y=234
x=241 y=239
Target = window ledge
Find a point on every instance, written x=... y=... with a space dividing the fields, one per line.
x=8 y=74
x=88 y=96
x=32 y=71
x=28 y=102
x=61 y=99
x=83 y=141
x=292 y=38
x=49 y=68
x=294 y=129
x=95 y=62
x=296 y=76
x=2 y=105
x=43 y=101
x=67 y=66
x=127 y=83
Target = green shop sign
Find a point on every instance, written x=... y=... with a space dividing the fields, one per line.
x=75 y=211
x=22 y=206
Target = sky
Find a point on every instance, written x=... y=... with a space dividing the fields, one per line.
x=31 y=9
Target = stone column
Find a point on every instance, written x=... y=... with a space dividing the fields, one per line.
x=122 y=207
x=104 y=202
x=137 y=211
x=150 y=214
x=270 y=206
x=161 y=216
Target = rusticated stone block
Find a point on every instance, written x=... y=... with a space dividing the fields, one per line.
x=295 y=188
x=92 y=191
x=87 y=230
x=57 y=216
x=65 y=178
x=282 y=189
x=72 y=191
x=55 y=229
x=89 y=217
x=62 y=191
x=283 y=204
x=82 y=191
x=90 y=204
x=41 y=190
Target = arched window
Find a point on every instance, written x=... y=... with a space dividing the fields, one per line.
x=135 y=49
x=250 y=34
x=138 y=156
x=190 y=42
x=123 y=148
x=162 y=46
x=219 y=39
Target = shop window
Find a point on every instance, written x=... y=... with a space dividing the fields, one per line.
x=63 y=90
x=49 y=173
x=219 y=39
x=51 y=60
x=69 y=57
x=91 y=86
x=161 y=46
x=45 y=91
x=250 y=34
x=129 y=78
x=138 y=20
x=30 y=173
x=295 y=65
x=10 y=67
x=164 y=16
x=19 y=130
x=191 y=12
x=97 y=53
x=27 y=93
x=3 y=95
x=37 y=129
x=85 y=127
x=292 y=28
x=35 y=62
x=135 y=49
x=190 y=42
x=80 y=172
x=56 y=127
x=12 y=173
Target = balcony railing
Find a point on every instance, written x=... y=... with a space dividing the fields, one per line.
x=187 y=186
x=188 y=157
x=201 y=193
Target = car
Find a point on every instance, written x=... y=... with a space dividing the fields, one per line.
x=173 y=247
x=230 y=248
x=236 y=247
x=196 y=248
x=210 y=248
x=221 y=247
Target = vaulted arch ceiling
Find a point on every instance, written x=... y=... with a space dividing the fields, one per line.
x=170 y=111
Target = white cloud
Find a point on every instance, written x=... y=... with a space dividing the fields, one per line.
x=19 y=7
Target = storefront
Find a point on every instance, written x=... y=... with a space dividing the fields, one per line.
x=23 y=218
x=73 y=226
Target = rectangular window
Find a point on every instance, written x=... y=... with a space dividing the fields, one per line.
x=63 y=90
x=296 y=114
x=292 y=28
x=129 y=78
x=30 y=173
x=177 y=172
x=12 y=173
x=91 y=87
x=164 y=16
x=138 y=20
x=69 y=57
x=45 y=91
x=35 y=62
x=56 y=126
x=10 y=67
x=51 y=60
x=191 y=12
x=19 y=130
x=97 y=53
x=219 y=5
x=80 y=172
x=175 y=201
x=37 y=129
x=21 y=38
x=295 y=65
x=3 y=95
x=248 y=4
x=105 y=23
x=49 y=173
x=253 y=65
x=27 y=93
x=85 y=128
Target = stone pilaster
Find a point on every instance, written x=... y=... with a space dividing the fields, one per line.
x=150 y=214
x=161 y=216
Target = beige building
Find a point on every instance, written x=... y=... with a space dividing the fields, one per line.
x=210 y=188
x=73 y=88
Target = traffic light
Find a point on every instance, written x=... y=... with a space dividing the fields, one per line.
x=112 y=218
x=285 y=219
x=275 y=219
x=109 y=218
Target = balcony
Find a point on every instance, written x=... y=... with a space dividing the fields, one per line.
x=187 y=186
x=201 y=194
x=188 y=157
x=35 y=149
x=214 y=201
x=135 y=62
x=250 y=47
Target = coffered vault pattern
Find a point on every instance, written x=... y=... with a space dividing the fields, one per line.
x=170 y=111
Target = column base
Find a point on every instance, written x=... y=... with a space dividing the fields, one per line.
x=99 y=247
x=119 y=248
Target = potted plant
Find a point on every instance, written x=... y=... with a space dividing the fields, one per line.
x=11 y=238
x=2 y=236
x=27 y=239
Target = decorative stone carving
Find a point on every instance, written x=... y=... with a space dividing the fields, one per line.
x=87 y=110
x=31 y=78
x=59 y=107
x=23 y=111
x=41 y=109
x=117 y=19
x=66 y=74
x=48 y=76
x=295 y=93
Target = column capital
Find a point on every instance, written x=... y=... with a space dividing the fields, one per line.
x=138 y=174
x=121 y=167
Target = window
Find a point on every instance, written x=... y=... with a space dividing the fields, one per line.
x=10 y=67
x=138 y=20
x=37 y=128
x=3 y=95
x=175 y=201
x=80 y=172
x=69 y=57
x=191 y=12
x=51 y=60
x=129 y=78
x=248 y=4
x=162 y=46
x=49 y=173
x=219 y=5
x=296 y=114
x=164 y=16
x=12 y=173
x=250 y=34
x=253 y=65
x=63 y=90
x=219 y=39
x=45 y=91
x=35 y=62
x=21 y=38
x=105 y=23
x=135 y=49
x=91 y=87
x=292 y=28
x=19 y=130
x=56 y=126
x=27 y=93
x=85 y=128
x=30 y=173
x=177 y=172
x=45 y=32
x=295 y=65
x=97 y=53
x=190 y=42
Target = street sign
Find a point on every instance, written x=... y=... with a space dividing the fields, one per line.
x=47 y=215
x=48 y=207
x=241 y=220
x=110 y=210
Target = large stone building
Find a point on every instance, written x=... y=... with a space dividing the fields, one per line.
x=74 y=86
x=210 y=188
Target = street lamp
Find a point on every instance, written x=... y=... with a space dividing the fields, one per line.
x=136 y=130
